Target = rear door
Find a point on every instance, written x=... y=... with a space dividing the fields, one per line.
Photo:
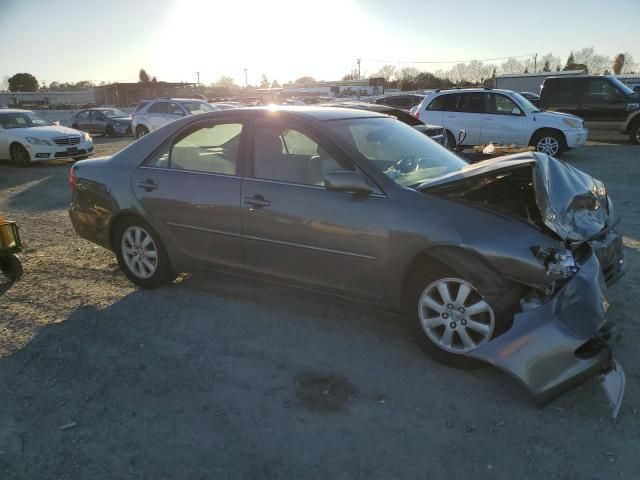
x=466 y=115
x=155 y=115
x=97 y=122
x=296 y=230
x=83 y=120
x=190 y=190
x=562 y=95
x=500 y=123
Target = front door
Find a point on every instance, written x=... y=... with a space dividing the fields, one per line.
x=503 y=121
x=296 y=230
x=604 y=106
x=190 y=190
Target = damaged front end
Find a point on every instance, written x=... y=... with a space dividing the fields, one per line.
x=560 y=336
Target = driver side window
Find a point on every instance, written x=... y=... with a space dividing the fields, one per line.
x=291 y=156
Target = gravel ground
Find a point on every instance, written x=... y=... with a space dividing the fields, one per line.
x=216 y=377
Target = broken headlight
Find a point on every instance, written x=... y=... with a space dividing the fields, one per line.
x=559 y=263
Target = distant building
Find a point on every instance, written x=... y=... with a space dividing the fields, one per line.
x=45 y=99
x=530 y=82
x=367 y=87
x=129 y=94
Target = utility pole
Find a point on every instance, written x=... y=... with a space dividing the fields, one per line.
x=198 y=74
x=358 y=69
x=535 y=62
x=246 y=82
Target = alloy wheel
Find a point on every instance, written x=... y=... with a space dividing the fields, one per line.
x=139 y=252
x=548 y=145
x=455 y=316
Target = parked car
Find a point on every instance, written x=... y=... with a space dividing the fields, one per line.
x=499 y=262
x=435 y=132
x=104 y=121
x=27 y=137
x=604 y=102
x=534 y=98
x=152 y=114
x=503 y=116
x=404 y=102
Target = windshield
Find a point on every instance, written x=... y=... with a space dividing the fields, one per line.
x=402 y=153
x=622 y=86
x=23 y=120
x=525 y=104
x=198 y=107
x=114 y=113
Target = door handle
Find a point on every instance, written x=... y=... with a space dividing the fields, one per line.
x=257 y=201
x=148 y=185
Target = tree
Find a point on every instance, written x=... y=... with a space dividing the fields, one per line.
x=23 y=82
x=303 y=80
x=264 y=81
x=630 y=66
x=618 y=63
x=407 y=78
x=387 y=72
x=143 y=76
x=512 y=65
x=275 y=84
x=478 y=72
x=225 y=82
x=570 y=62
x=594 y=62
x=549 y=60
x=546 y=67
x=352 y=75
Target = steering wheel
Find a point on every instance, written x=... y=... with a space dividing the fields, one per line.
x=407 y=163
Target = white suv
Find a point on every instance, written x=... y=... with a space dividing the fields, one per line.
x=501 y=116
x=152 y=114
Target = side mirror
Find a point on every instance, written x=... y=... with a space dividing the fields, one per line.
x=341 y=181
x=516 y=111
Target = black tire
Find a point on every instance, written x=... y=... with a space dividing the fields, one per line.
x=20 y=155
x=163 y=273
x=109 y=131
x=549 y=136
x=418 y=283
x=141 y=131
x=634 y=132
x=11 y=267
x=75 y=126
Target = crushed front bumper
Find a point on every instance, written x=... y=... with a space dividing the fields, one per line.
x=554 y=347
x=609 y=250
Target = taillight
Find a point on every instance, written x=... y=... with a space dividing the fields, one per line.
x=417 y=115
x=72 y=179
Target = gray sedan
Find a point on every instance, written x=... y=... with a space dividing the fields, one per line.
x=502 y=262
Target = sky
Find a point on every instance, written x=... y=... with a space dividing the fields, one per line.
x=110 y=40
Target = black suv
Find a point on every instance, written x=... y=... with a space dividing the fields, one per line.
x=605 y=103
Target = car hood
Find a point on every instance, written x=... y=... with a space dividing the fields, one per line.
x=45 y=133
x=570 y=202
x=555 y=116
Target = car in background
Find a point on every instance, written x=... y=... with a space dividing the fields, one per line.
x=435 y=132
x=534 y=98
x=103 y=121
x=502 y=116
x=222 y=106
x=604 y=102
x=27 y=137
x=404 y=102
x=150 y=115
x=497 y=262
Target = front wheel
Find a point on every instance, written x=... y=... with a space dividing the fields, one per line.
x=109 y=131
x=141 y=255
x=449 y=316
x=634 y=132
x=141 y=131
x=20 y=156
x=12 y=267
x=550 y=142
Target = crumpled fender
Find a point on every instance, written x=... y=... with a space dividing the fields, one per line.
x=539 y=349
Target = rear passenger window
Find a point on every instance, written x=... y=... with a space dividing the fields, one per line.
x=209 y=149
x=562 y=90
x=444 y=103
x=471 y=103
x=160 y=107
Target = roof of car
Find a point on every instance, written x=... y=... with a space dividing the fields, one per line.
x=12 y=110
x=471 y=90
x=321 y=114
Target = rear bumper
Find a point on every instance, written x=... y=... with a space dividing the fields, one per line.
x=576 y=138
x=560 y=344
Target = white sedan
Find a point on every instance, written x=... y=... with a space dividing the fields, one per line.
x=27 y=137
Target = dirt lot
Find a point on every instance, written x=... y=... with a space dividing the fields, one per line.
x=214 y=377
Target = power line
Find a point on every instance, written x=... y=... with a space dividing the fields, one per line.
x=450 y=61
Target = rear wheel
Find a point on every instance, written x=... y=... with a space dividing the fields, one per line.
x=141 y=131
x=141 y=255
x=75 y=126
x=634 y=132
x=11 y=267
x=109 y=131
x=550 y=142
x=449 y=316
x=19 y=155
